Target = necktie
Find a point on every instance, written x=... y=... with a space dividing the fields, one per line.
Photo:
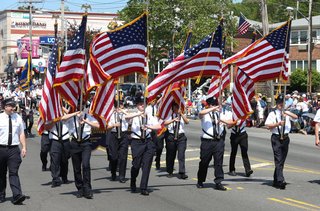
x=10 y=131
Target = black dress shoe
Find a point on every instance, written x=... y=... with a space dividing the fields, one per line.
x=55 y=184
x=88 y=195
x=170 y=175
x=113 y=177
x=157 y=166
x=144 y=192
x=19 y=199
x=79 y=194
x=232 y=173
x=249 y=173
x=133 y=186
x=122 y=180
x=282 y=185
x=183 y=176
x=2 y=200
x=219 y=186
x=200 y=185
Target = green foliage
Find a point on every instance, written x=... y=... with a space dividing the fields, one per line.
x=276 y=9
x=298 y=80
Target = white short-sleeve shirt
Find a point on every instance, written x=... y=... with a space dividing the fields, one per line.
x=124 y=123
x=274 y=117
x=173 y=124
x=136 y=126
x=207 y=123
x=17 y=128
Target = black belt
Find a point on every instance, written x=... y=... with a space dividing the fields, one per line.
x=61 y=141
x=286 y=135
x=138 y=139
x=238 y=134
x=209 y=139
x=7 y=146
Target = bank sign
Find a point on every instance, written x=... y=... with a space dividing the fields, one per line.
x=47 y=40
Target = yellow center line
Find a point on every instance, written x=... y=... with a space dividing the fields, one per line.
x=240 y=188
x=288 y=203
x=303 y=203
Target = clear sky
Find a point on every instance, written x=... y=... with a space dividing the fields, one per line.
x=74 y=5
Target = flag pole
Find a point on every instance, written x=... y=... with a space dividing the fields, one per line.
x=143 y=132
x=284 y=81
x=86 y=7
x=118 y=108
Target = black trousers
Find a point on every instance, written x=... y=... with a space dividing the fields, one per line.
x=45 y=148
x=10 y=159
x=280 y=152
x=142 y=155
x=80 y=156
x=159 y=141
x=59 y=154
x=118 y=151
x=209 y=149
x=235 y=141
x=28 y=120
x=172 y=146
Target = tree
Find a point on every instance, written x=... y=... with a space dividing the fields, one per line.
x=298 y=80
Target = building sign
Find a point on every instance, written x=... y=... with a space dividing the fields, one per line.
x=47 y=40
x=20 y=15
x=25 y=24
x=24 y=46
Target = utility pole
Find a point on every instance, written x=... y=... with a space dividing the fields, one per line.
x=265 y=28
x=309 y=89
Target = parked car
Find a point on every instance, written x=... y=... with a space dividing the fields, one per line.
x=131 y=89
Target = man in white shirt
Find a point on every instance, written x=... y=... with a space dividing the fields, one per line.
x=80 y=149
x=278 y=121
x=213 y=123
x=11 y=135
x=142 y=146
x=176 y=141
x=118 y=142
x=60 y=149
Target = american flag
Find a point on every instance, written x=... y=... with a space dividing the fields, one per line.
x=72 y=68
x=202 y=59
x=124 y=50
x=94 y=77
x=50 y=107
x=266 y=58
x=243 y=92
x=173 y=93
x=103 y=102
x=215 y=82
x=243 y=25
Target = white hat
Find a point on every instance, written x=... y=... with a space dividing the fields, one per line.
x=304 y=95
x=288 y=95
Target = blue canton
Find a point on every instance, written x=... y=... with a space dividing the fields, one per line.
x=135 y=33
x=278 y=37
x=78 y=39
x=53 y=59
x=205 y=43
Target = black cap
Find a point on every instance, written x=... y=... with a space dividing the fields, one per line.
x=139 y=99
x=8 y=101
x=279 y=99
x=212 y=101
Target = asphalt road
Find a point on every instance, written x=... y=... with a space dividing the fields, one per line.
x=302 y=172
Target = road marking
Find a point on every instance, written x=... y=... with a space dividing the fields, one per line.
x=303 y=203
x=258 y=165
x=289 y=203
x=240 y=188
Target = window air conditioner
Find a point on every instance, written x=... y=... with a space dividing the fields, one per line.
x=302 y=47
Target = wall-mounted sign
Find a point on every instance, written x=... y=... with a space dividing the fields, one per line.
x=47 y=40
x=25 y=24
x=20 y=15
x=24 y=46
